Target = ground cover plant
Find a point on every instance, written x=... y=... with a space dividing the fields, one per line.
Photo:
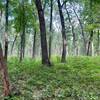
x=78 y=79
x=49 y=49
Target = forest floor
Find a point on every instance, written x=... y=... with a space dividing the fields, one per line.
x=78 y=79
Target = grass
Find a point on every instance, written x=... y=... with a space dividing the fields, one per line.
x=78 y=79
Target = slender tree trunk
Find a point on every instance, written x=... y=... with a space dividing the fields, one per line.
x=6 y=31
x=63 y=59
x=45 y=58
x=50 y=37
x=4 y=73
x=34 y=45
x=13 y=44
x=73 y=33
x=92 y=48
x=82 y=30
x=22 y=49
x=98 y=43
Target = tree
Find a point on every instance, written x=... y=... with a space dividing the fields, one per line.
x=91 y=31
x=22 y=31
x=81 y=26
x=63 y=59
x=4 y=72
x=73 y=32
x=34 y=45
x=6 y=30
x=50 y=37
x=45 y=58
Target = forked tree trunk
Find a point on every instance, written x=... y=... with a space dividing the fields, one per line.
x=4 y=73
x=45 y=58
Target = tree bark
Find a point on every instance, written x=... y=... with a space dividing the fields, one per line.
x=89 y=43
x=22 y=49
x=73 y=33
x=50 y=37
x=63 y=59
x=34 y=45
x=81 y=26
x=13 y=44
x=6 y=30
x=4 y=73
x=45 y=58
x=98 y=43
x=91 y=32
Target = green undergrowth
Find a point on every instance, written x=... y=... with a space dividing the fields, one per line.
x=77 y=79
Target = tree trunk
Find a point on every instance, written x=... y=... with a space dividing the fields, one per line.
x=50 y=37
x=13 y=44
x=22 y=49
x=81 y=26
x=6 y=31
x=98 y=43
x=73 y=33
x=34 y=45
x=92 y=48
x=45 y=58
x=89 y=43
x=63 y=59
x=4 y=73
x=91 y=32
